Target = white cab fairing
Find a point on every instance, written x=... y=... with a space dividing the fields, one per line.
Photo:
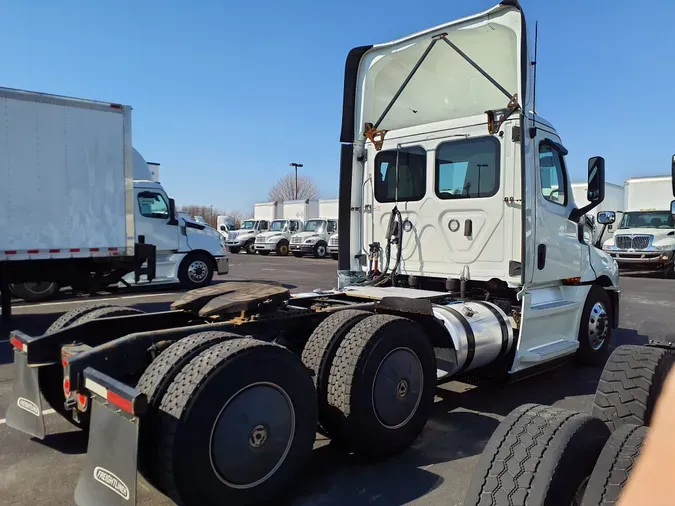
x=458 y=185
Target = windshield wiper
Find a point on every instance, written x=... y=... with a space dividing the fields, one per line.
x=377 y=136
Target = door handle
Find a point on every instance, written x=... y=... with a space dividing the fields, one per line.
x=468 y=228
x=541 y=256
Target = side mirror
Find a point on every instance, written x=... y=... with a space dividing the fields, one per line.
x=608 y=217
x=596 y=180
x=672 y=207
x=223 y=228
x=172 y=213
x=672 y=174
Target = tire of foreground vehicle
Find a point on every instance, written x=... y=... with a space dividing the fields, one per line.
x=381 y=386
x=537 y=456
x=263 y=252
x=298 y=254
x=236 y=426
x=319 y=352
x=154 y=383
x=36 y=292
x=595 y=328
x=233 y=249
x=196 y=270
x=50 y=378
x=249 y=248
x=613 y=468
x=320 y=250
x=282 y=248
x=334 y=256
x=630 y=385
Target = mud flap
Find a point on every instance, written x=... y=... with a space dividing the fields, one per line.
x=25 y=408
x=109 y=474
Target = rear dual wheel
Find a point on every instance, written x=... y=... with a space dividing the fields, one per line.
x=234 y=424
x=375 y=378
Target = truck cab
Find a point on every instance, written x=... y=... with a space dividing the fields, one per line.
x=314 y=238
x=244 y=238
x=278 y=237
x=187 y=251
x=333 y=246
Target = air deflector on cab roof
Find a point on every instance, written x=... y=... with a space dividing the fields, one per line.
x=411 y=82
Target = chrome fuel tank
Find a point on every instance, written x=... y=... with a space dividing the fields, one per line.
x=480 y=332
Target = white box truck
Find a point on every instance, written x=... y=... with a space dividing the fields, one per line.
x=644 y=240
x=74 y=213
x=481 y=269
x=328 y=208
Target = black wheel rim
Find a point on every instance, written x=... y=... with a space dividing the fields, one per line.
x=252 y=435
x=397 y=389
x=321 y=251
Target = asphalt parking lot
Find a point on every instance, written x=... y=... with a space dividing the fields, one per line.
x=436 y=471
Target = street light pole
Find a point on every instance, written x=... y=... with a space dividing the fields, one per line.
x=297 y=166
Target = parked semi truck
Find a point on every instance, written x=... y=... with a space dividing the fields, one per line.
x=77 y=199
x=644 y=240
x=278 y=238
x=244 y=238
x=461 y=252
x=313 y=239
x=333 y=246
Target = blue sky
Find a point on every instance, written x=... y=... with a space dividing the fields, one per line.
x=226 y=94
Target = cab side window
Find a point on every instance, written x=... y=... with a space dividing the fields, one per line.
x=332 y=227
x=153 y=205
x=294 y=226
x=552 y=174
x=263 y=225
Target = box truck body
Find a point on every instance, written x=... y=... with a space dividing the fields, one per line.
x=328 y=208
x=265 y=211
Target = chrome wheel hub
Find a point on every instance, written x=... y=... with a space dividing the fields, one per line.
x=197 y=271
x=598 y=325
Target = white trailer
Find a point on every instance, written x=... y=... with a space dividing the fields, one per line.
x=267 y=211
x=302 y=210
x=328 y=208
x=648 y=193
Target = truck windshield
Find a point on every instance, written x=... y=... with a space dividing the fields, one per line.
x=647 y=219
x=278 y=226
x=315 y=226
x=248 y=225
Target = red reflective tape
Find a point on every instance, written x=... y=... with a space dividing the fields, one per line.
x=66 y=386
x=16 y=343
x=10 y=252
x=94 y=249
x=54 y=250
x=33 y=251
x=74 y=250
x=112 y=249
x=120 y=402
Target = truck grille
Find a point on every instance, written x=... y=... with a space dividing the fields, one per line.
x=333 y=241
x=296 y=240
x=231 y=236
x=632 y=242
x=259 y=239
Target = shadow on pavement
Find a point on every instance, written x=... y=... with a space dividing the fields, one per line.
x=69 y=443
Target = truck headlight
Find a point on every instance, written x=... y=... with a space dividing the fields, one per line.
x=274 y=238
x=665 y=247
x=608 y=247
x=312 y=240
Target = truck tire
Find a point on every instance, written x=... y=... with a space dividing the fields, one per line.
x=319 y=352
x=614 y=465
x=320 y=249
x=36 y=292
x=334 y=256
x=50 y=378
x=282 y=248
x=213 y=403
x=156 y=379
x=195 y=271
x=630 y=385
x=298 y=254
x=249 y=248
x=538 y=455
x=233 y=249
x=263 y=252
x=381 y=386
x=595 y=329
x=669 y=271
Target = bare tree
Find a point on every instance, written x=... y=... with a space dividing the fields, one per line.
x=210 y=214
x=284 y=189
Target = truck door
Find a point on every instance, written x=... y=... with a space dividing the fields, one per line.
x=152 y=220
x=557 y=248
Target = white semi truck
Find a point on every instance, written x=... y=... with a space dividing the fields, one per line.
x=644 y=240
x=461 y=252
x=79 y=207
x=244 y=238
x=278 y=238
x=313 y=239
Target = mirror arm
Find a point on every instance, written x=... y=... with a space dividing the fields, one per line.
x=576 y=213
